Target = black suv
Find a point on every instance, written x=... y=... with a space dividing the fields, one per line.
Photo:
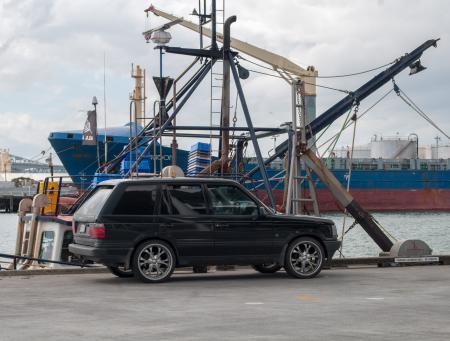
x=147 y=228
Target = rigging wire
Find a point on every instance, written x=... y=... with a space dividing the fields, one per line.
x=415 y=107
x=350 y=123
x=318 y=85
x=360 y=72
x=332 y=76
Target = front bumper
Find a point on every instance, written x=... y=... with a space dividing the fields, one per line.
x=106 y=256
x=331 y=246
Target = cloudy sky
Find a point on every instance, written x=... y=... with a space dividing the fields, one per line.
x=52 y=52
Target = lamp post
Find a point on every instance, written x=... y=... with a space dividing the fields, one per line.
x=94 y=103
x=49 y=161
x=161 y=38
x=163 y=84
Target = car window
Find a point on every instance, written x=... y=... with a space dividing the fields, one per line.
x=95 y=201
x=186 y=200
x=137 y=200
x=231 y=200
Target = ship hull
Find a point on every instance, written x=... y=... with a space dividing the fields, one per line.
x=376 y=190
x=381 y=200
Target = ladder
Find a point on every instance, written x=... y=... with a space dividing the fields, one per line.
x=216 y=86
x=297 y=199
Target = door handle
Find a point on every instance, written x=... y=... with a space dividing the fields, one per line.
x=221 y=225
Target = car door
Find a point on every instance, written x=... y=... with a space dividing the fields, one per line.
x=240 y=231
x=184 y=221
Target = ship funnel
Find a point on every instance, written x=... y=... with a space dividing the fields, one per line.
x=163 y=85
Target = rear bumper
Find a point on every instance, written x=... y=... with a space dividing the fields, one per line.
x=107 y=256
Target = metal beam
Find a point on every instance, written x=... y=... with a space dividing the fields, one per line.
x=276 y=61
x=347 y=201
x=252 y=132
x=174 y=114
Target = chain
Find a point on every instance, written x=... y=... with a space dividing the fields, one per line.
x=233 y=132
x=350 y=227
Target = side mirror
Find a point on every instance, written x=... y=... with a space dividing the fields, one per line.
x=262 y=211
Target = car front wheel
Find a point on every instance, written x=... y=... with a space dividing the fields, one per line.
x=269 y=268
x=304 y=258
x=153 y=261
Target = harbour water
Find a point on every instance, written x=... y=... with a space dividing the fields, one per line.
x=432 y=227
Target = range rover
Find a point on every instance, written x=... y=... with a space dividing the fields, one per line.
x=148 y=227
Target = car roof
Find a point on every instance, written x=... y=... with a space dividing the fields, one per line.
x=115 y=182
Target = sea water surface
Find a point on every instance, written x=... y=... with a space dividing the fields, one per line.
x=431 y=227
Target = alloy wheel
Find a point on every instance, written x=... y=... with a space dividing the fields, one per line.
x=155 y=261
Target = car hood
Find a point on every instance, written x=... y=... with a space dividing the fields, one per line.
x=302 y=218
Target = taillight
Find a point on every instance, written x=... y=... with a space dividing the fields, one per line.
x=96 y=231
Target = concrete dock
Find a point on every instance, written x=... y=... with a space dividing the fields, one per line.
x=407 y=303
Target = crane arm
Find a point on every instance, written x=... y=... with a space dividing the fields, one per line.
x=341 y=107
x=277 y=62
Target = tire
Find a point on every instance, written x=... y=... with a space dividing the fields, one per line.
x=120 y=272
x=153 y=261
x=269 y=268
x=304 y=258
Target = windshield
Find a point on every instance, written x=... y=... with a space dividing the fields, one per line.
x=93 y=205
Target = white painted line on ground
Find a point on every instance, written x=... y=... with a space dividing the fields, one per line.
x=375 y=298
x=254 y=303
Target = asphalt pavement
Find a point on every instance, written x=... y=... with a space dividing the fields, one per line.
x=407 y=303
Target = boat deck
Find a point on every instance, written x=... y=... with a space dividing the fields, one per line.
x=366 y=303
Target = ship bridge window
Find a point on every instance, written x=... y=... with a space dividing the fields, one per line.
x=70 y=136
x=47 y=242
x=109 y=138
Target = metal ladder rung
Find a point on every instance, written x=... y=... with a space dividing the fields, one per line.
x=305 y=199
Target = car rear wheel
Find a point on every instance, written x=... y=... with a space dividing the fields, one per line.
x=304 y=258
x=268 y=268
x=119 y=271
x=153 y=261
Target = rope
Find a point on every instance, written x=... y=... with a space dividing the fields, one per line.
x=353 y=118
x=338 y=135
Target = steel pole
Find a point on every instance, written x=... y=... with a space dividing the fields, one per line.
x=251 y=131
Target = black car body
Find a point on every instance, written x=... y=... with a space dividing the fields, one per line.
x=199 y=220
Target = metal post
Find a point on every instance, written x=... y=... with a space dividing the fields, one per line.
x=213 y=25
x=225 y=110
x=252 y=132
x=293 y=150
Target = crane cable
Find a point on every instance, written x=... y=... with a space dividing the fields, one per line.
x=332 y=76
x=403 y=96
x=350 y=123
